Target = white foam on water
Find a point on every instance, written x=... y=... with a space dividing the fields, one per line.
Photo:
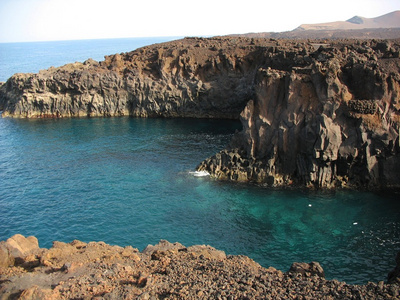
x=199 y=173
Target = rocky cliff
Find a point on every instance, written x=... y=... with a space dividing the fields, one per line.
x=317 y=114
x=331 y=120
x=203 y=78
x=95 y=270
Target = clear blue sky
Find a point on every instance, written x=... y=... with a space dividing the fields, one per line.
x=44 y=20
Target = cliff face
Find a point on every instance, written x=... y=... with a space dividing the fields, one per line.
x=330 y=121
x=187 y=78
x=322 y=115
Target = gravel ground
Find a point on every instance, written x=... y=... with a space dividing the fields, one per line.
x=95 y=270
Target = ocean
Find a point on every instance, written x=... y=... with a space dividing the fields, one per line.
x=34 y=56
x=128 y=181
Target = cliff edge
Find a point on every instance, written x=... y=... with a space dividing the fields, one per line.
x=321 y=114
x=95 y=270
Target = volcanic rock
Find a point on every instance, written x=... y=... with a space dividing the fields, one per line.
x=16 y=249
x=318 y=114
x=308 y=269
x=95 y=270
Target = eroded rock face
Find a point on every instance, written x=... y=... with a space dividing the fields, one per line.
x=187 y=78
x=320 y=115
x=333 y=122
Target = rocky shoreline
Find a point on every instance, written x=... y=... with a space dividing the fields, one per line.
x=322 y=114
x=95 y=270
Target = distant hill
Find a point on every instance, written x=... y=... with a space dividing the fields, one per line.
x=390 y=20
x=382 y=27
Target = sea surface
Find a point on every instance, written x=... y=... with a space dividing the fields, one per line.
x=128 y=181
x=34 y=56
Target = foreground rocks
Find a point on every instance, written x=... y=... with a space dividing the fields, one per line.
x=95 y=270
x=319 y=114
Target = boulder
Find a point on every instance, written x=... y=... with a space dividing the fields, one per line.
x=16 y=248
x=6 y=259
x=307 y=269
x=207 y=252
x=20 y=246
x=162 y=247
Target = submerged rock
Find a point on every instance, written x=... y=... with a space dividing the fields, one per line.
x=324 y=116
x=80 y=270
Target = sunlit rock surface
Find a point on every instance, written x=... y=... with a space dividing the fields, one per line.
x=79 y=270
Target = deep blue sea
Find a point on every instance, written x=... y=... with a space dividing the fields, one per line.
x=34 y=56
x=127 y=181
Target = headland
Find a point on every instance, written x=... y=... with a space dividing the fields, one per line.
x=322 y=114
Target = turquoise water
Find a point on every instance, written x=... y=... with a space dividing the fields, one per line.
x=126 y=181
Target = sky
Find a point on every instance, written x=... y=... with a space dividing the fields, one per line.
x=47 y=20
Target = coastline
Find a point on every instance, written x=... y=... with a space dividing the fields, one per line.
x=164 y=271
x=347 y=120
x=322 y=118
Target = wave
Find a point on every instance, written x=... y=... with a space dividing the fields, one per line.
x=199 y=173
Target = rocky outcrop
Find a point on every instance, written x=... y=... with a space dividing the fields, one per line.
x=204 y=78
x=17 y=248
x=308 y=269
x=316 y=114
x=79 y=270
x=332 y=122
